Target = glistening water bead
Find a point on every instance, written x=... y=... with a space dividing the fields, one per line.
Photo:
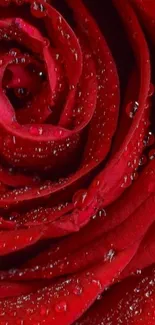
x=61 y=307
x=14 y=52
x=149 y=140
x=38 y=10
x=152 y=154
x=35 y=130
x=77 y=290
x=21 y=92
x=79 y=198
x=132 y=108
x=142 y=160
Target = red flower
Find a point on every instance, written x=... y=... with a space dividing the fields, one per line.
x=77 y=174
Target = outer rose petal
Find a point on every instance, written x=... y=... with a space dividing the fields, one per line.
x=111 y=180
x=105 y=249
x=61 y=307
x=130 y=302
x=90 y=250
x=113 y=230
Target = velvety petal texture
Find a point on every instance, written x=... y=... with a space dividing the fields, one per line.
x=77 y=167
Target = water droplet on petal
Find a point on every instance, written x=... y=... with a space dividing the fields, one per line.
x=61 y=307
x=134 y=176
x=142 y=160
x=41 y=74
x=46 y=42
x=132 y=108
x=79 y=198
x=96 y=183
x=21 y=92
x=102 y=213
x=152 y=154
x=97 y=283
x=77 y=290
x=149 y=140
x=109 y=256
x=14 y=52
x=127 y=181
x=38 y=10
x=34 y=130
x=44 y=311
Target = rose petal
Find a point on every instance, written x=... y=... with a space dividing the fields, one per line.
x=111 y=181
x=131 y=302
x=62 y=307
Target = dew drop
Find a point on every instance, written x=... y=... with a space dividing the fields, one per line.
x=61 y=307
x=46 y=42
x=77 y=290
x=152 y=154
x=109 y=256
x=44 y=311
x=134 y=176
x=97 y=282
x=138 y=271
x=79 y=198
x=149 y=140
x=21 y=92
x=61 y=132
x=127 y=181
x=36 y=130
x=148 y=294
x=41 y=74
x=38 y=10
x=142 y=160
x=102 y=213
x=132 y=108
x=14 y=139
x=96 y=183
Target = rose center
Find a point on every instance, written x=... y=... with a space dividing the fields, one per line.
x=22 y=83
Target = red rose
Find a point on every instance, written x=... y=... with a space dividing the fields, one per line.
x=77 y=174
